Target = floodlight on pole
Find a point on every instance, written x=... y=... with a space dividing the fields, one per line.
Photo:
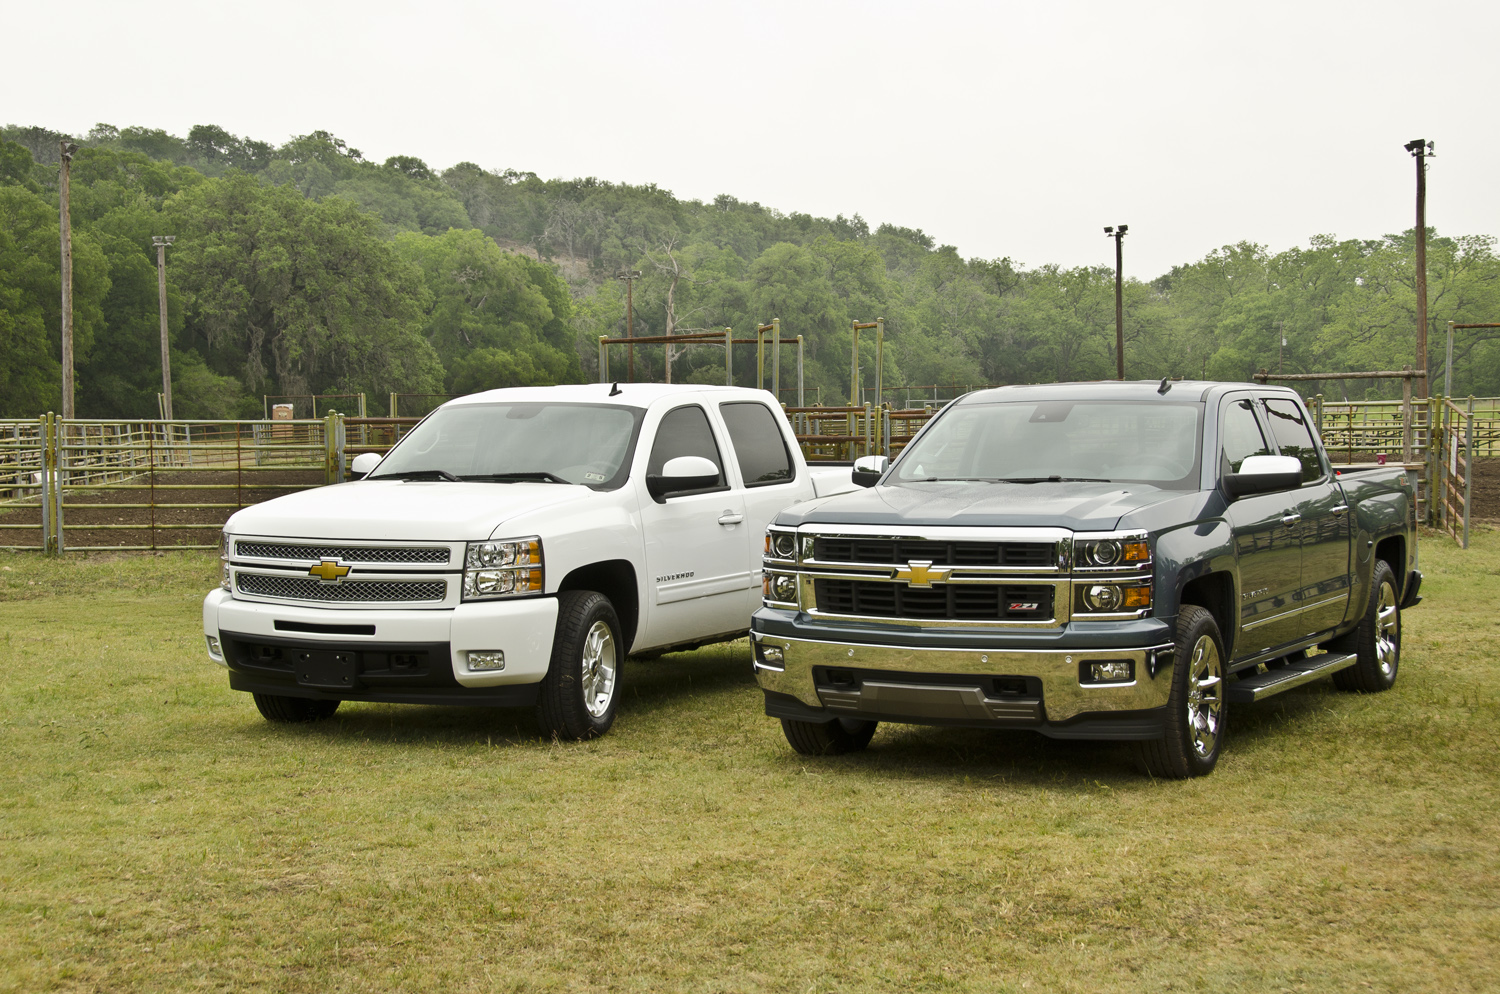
x=1118 y=234
x=161 y=242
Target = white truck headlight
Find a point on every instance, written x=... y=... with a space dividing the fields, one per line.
x=224 y=548
x=512 y=568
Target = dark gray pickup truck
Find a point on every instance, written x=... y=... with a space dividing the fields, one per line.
x=1089 y=560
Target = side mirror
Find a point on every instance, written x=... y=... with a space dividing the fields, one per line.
x=868 y=470
x=1264 y=475
x=681 y=474
x=361 y=465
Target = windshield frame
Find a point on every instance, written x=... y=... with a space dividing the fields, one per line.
x=1189 y=481
x=621 y=477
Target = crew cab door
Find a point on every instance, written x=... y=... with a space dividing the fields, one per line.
x=1323 y=525
x=697 y=572
x=762 y=443
x=1267 y=549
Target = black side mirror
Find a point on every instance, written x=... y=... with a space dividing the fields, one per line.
x=1264 y=475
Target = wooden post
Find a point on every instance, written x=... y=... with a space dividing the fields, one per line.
x=161 y=242
x=65 y=234
x=1406 y=413
x=1468 y=467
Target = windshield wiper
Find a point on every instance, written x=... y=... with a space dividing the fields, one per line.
x=534 y=476
x=1054 y=479
x=418 y=474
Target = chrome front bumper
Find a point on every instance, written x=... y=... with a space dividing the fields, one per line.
x=896 y=681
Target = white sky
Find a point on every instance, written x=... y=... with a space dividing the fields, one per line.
x=1007 y=129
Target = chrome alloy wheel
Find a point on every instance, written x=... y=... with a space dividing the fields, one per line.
x=1387 y=631
x=599 y=668
x=1205 y=698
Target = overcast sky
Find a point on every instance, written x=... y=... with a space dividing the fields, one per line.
x=1005 y=129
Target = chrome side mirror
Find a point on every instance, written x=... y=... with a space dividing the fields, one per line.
x=868 y=470
x=1264 y=475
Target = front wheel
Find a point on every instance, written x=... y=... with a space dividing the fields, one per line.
x=578 y=696
x=1196 y=720
x=293 y=710
x=1376 y=642
x=828 y=738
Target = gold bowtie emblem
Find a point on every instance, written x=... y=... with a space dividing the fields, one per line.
x=329 y=571
x=921 y=574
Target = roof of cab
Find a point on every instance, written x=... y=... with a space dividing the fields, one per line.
x=1150 y=390
x=630 y=394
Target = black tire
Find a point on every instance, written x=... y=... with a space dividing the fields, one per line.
x=1197 y=713
x=828 y=738
x=294 y=710
x=1376 y=641
x=581 y=691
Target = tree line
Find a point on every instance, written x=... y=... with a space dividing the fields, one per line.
x=304 y=268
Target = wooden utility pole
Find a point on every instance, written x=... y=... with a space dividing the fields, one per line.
x=65 y=233
x=1118 y=234
x=629 y=276
x=161 y=242
x=1419 y=150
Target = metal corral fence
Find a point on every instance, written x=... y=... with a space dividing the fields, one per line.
x=140 y=485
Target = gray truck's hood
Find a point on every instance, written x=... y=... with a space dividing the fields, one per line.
x=395 y=509
x=1077 y=506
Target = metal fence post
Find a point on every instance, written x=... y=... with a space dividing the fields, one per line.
x=49 y=482
x=1468 y=467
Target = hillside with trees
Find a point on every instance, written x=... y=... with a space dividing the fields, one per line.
x=303 y=268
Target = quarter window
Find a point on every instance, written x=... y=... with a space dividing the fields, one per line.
x=758 y=444
x=684 y=432
x=1294 y=436
x=1242 y=437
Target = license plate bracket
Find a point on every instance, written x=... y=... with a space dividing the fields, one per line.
x=326 y=669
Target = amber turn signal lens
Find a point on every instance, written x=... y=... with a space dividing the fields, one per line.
x=1137 y=597
x=1136 y=552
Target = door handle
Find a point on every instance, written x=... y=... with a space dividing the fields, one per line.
x=1340 y=511
x=730 y=518
x=1291 y=519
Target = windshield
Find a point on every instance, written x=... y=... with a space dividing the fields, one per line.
x=1116 y=442
x=588 y=444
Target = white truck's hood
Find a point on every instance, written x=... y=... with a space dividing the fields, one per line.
x=397 y=509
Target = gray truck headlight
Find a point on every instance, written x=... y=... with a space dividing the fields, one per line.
x=779 y=588
x=510 y=568
x=781 y=545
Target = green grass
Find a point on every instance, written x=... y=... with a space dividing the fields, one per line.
x=156 y=834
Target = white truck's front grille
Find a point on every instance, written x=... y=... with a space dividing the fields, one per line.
x=438 y=555
x=348 y=591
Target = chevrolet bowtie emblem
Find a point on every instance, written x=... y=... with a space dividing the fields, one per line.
x=921 y=574
x=329 y=571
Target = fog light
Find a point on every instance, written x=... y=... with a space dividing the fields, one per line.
x=489 y=659
x=1103 y=597
x=1111 y=671
x=213 y=647
x=770 y=655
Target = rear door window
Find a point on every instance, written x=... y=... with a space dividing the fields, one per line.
x=1294 y=435
x=759 y=445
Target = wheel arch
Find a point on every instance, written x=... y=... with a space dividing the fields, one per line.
x=1392 y=551
x=1214 y=592
x=615 y=579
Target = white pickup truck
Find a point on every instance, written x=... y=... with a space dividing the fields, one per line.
x=510 y=551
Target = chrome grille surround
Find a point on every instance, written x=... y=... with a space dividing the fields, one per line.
x=396 y=555
x=298 y=588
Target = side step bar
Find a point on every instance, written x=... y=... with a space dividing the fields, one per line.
x=1258 y=687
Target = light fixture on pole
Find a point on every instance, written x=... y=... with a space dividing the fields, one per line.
x=629 y=276
x=161 y=242
x=1420 y=150
x=1118 y=234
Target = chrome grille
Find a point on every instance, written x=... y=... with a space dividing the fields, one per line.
x=348 y=554
x=300 y=589
x=947 y=602
x=848 y=549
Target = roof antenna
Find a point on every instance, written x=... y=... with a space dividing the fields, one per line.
x=614 y=389
x=1166 y=384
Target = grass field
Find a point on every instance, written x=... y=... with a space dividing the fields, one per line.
x=156 y=834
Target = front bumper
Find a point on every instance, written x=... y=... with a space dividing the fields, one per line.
x=402 y=656
x=990 y=681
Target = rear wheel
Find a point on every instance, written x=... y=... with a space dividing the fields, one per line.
x=1196 y=720
x=294 y=710
x=1376 y=642
x=578 y=696
x=828 y=738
